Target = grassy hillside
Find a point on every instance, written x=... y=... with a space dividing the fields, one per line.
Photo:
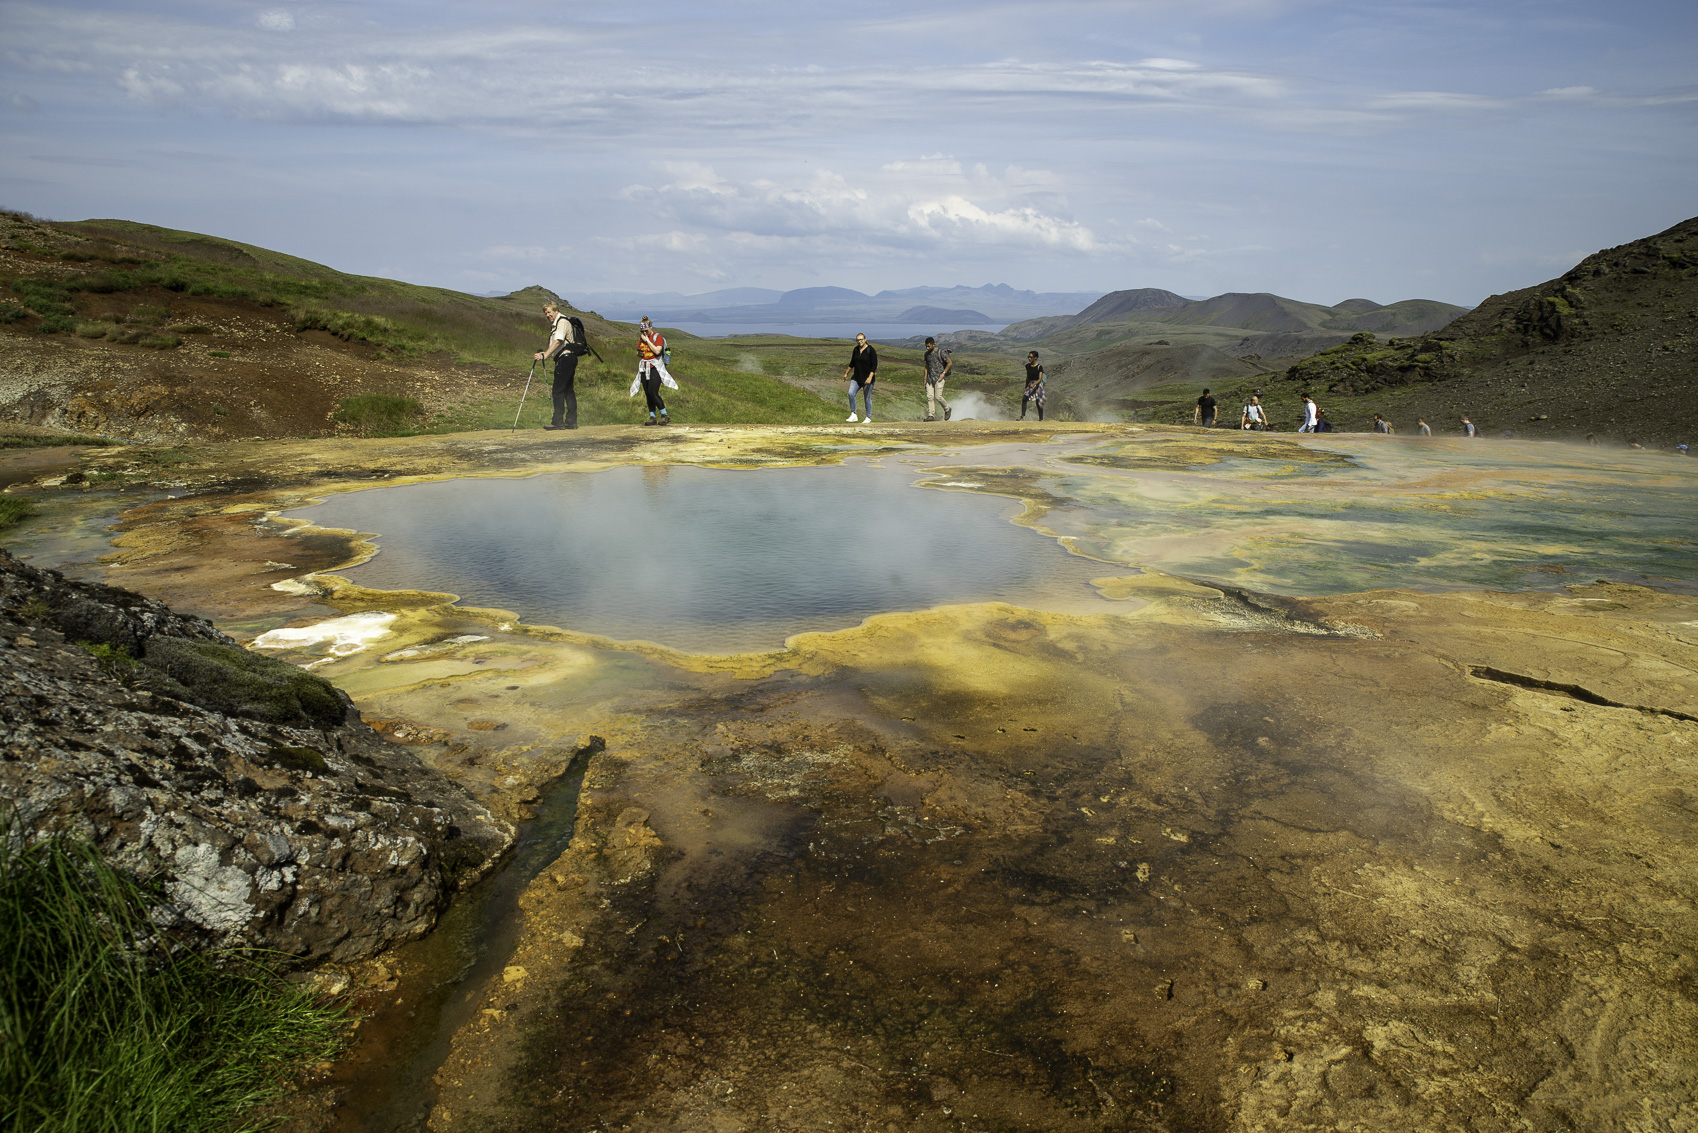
x=119 y=329
x=1609 y=348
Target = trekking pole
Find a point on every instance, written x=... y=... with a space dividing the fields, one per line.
x=524 y=395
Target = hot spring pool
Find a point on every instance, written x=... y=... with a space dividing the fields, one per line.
x=702 y=559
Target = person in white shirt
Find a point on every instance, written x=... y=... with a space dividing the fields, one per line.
x=1423 y=428
x=1254 y=416
x=1310 y=409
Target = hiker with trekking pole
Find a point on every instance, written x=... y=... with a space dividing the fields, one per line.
x=567 y=342
x=652 y=372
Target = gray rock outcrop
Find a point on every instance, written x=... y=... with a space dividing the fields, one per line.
x=248 y=790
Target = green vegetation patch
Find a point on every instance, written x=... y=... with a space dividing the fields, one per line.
x=380 y=414
x=230 y=679
x=14 y=511
x=43 y=296
x=147 y=314
x=104 y=1028
x=114 y=660
x=48 y=440
x=299 y=758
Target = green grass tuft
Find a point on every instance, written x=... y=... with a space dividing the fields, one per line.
x=147 y=315
x=114 y=660
x=14 y=511
x=104 y=1030
x=380 y=414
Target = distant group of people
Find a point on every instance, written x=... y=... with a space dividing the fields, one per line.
x=1253 y=417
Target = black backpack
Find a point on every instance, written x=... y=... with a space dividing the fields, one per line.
x=580 y=344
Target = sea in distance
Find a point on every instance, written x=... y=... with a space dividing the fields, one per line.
x=877 y=331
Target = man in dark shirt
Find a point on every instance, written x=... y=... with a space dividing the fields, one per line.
x=1205 y=413
x=1034 y=392
x=862 y=372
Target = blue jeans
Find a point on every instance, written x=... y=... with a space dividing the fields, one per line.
x=866 y=392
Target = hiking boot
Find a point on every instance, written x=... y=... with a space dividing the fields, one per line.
x=665 y=419
x=651 y=420
x=928 y=418
x=551 y=428
x=946 y=412
x=851 y=417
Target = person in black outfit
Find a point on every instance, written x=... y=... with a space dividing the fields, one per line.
x=564 y=348
x=1205 y=412
x=1034 y=392
x=862 y=372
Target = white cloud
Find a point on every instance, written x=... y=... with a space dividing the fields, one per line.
x=809 y=143
x=902 y=206
x=957 y=218
x=501 y=73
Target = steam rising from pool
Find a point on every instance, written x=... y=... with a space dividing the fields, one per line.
x=705 y=560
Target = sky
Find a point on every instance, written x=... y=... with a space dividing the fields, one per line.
x=1320 y=149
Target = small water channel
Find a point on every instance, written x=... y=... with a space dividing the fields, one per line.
x=702 y=559
x=385 y=1084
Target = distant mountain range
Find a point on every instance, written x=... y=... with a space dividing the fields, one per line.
x=990 y=304
x=1259 y=323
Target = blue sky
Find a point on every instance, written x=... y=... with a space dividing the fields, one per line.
x=1321 y=150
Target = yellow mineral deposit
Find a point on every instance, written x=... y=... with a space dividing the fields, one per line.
x=1348 y=798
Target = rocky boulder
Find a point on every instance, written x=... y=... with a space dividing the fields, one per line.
x=248 y=790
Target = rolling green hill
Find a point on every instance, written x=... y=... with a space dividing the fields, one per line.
x=1609 y=348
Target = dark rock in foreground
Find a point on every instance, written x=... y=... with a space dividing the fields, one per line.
x=251 y=790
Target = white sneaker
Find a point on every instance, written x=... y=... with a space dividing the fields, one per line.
x=851 y=417
x=866 y=420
